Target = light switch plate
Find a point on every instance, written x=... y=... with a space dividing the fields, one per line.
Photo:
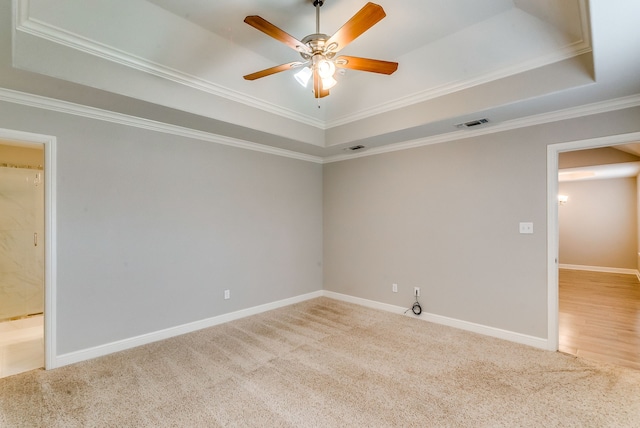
x=526 y=227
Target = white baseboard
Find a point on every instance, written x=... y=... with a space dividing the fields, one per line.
x=536 y=342
x=121 y=345
x=600 y=269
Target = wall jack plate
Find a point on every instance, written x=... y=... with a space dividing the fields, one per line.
x=416 y=291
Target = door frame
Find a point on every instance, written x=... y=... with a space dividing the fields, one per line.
x=50 y=263
x=553 y=231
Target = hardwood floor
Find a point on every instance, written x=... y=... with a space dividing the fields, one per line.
x=599 y=316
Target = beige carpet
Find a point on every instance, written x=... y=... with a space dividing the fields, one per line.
x=325 y=363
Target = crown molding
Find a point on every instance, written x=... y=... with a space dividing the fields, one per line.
x=28 y=25
x=572 y=50
x=54 y=34
x=66 y=107
x=576 y=49
x=539 y=119
x=37 y=101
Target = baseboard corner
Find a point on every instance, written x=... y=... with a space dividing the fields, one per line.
x=523 y=339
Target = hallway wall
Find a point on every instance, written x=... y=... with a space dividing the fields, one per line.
x=598 y=225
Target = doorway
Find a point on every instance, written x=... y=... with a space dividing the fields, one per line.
x=553 y=232
x=32 y=323
x=21 y=257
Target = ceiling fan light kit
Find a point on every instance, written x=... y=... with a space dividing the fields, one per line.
x=318 y=50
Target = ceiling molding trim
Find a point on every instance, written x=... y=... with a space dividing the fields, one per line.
x=66 y=107
x=539 y=119
x=74 y=41
x=54 y=34
x=585 y=23
x=570 y=51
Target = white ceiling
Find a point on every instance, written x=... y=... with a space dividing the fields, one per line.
x=182 y=62
x=600 y=172
x=632 y=148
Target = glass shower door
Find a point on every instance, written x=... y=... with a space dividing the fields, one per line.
x=21 y=242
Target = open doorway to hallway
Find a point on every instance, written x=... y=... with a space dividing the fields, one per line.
x=598 y=223
x=598 y=317
x=22 y=255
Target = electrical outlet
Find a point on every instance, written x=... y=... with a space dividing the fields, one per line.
x=416 y=291
x=227 y=294
x=394 y=288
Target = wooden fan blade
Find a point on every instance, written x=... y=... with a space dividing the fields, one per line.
x=366 y=18
x=366 y=64
x=317 y=86
x=271 y=30
x=272 y=70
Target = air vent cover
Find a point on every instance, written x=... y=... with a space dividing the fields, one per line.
x=472 y=123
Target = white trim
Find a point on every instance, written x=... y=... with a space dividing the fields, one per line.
x=576 y=49
x=539 y=119
x=50 y=234
x=66 y=107
x=63 y=37
x=77 y=42
x=132 y=342
x=37 y=101
x=121 y=345
x=553 y=236
x=364 y=302
x=511 y=336
x=572 y=50
x=600 y=269
x=51 y=258
x=553 y=150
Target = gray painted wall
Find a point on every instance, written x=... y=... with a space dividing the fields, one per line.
x=445 y=218
x=152 y=227
x=598 y=225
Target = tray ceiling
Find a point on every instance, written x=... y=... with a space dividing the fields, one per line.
x=459 y=60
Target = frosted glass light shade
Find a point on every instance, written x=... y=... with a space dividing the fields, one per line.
x=326 y=69
x=303 y=76
x=328 y=82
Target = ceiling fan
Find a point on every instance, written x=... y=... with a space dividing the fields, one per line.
x=319 y=51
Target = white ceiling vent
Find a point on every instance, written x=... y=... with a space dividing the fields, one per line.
x=473 y=123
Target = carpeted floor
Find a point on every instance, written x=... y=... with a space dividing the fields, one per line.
x=325 y=363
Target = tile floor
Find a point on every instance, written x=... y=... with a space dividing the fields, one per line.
x=21 y=345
